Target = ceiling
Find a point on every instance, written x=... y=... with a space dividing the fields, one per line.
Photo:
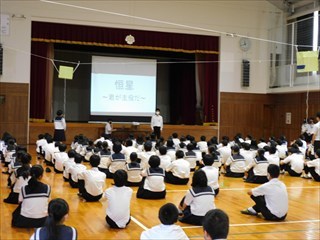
x=295 y=6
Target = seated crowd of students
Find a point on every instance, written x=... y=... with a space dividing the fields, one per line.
x=150 y=164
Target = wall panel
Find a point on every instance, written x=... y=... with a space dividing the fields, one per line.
x=14 y=111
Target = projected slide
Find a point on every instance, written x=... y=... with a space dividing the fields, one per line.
x=123 y=86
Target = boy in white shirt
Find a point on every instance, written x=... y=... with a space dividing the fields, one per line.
x=67 y=164
x=59 y=158
x=225 y=151
x=202 y=144
x=178 y=172
x=273 y=157
x=75 y=170
x=212 y=173
x=165 y=160
x=313 y=167
x=119 y=197
x=91 y=182
x=168 y=215
x=294 y=163
x=271 y=198
x=146 y=154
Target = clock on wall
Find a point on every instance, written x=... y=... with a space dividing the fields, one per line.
x=245 y=44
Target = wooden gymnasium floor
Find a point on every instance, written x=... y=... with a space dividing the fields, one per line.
x=303 y=221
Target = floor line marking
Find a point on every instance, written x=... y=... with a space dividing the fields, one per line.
x=241 y=189
x=139 y=223
x=263 y=223
x=249 y=233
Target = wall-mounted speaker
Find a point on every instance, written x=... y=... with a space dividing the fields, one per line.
x=1 y=57
x=245 y=82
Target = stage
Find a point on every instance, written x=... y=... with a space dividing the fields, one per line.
x=94 y=130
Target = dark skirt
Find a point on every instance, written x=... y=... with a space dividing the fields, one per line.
x=59 y=135
x=189 y=218
x=13 y=198
x=23 y=222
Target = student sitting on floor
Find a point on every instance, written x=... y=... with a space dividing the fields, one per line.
x=271 y=198
x=225 y=152
x=134 y=170
x=235 y=164
x=294 y=163
x=198 y=200
x=146 y=154
x=171 y=150
x=178 y=172
x=313 y=167
x=39 y=145
x=215 y=225
x=68 y=164
x=165 y=159
x=119 y=197
x=191 y=157
x=19 y=179
x=75 y=170
x=58 y=212
x=59 y=158
x=152 y=186
x=105 y=160
x=211 y=172
x=91 y=182
x=117 y=160
x=256 y=171
x=273 y=156
x=33 y=198
x=168 y=215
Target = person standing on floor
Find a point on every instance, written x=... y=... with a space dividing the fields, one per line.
x=157 y=123
x=60 y=127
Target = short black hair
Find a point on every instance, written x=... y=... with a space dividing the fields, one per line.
x=235 y=148
x=77 y=158
x=318 y=114
x=274 y=171
x=318 y=153
x=216 y=224
x=190 y=147
x=246 y=146
x=117 y=147
x=199 y=179
x=147 y=146
x=170 y=143
x=168 y=214
x=154 y=161
x=62 y=147
x=272 y=150
x=94 y=160
x=133 y=156
x=179 y=154
x=128 y=142
x=163 y=150
x=120 y=178
x=59 y=112
x=175 y=135
x=208 y=159
x=71 y=153
x=225 y=142
x=203 y=138
x=158 y=109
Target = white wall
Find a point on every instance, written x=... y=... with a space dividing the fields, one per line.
x=252 y=18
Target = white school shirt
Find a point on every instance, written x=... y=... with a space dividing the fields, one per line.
x=19 y=183
x=237 y=163
x=176 y=141
x=134 y=172
x=35 y=204
x=75 y=170
x=128 y=151
x=49 y=150
x=154 y=181
x=200 y=200
x=94 y=181
x=67 y=165
x=162 y=231
x=119 y=204
x=157 y=121
x=40 y=143
x=108 y=128
x=59 y=159
x=248 y=156
x=172 y=154
x=276 y=196
x=212 y=174
x=180 y=168
x=316 y=131
x=203 y=146
x=296 y=162
x=262 y=145
x=273 y=158
x=259 y=167
x=282 y=150
x=165 y=161
x=192 y=158
x=144 y=156
x=225 y=153
x=316 y=164
x=60 y=123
